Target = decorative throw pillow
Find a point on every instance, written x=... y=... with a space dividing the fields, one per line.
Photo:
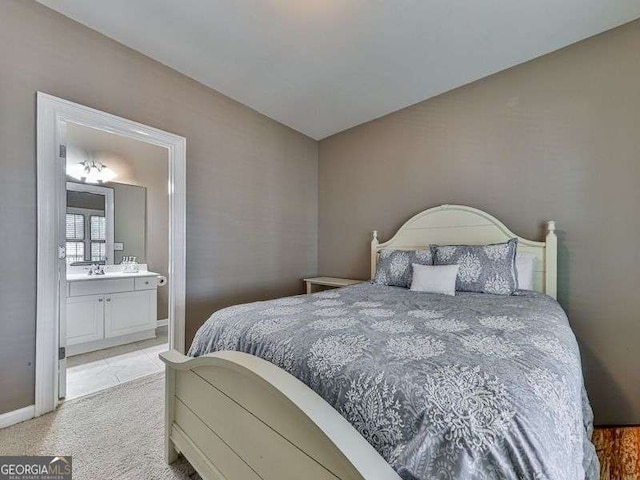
x=434 y=278
x=394 y=266
x=483 y=268
x=524 y=268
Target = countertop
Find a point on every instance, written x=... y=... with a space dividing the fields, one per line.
x=81 y=277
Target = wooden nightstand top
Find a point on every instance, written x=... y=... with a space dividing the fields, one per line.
x=618 y=449
x=332 y=281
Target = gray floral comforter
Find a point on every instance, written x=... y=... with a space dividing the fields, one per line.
x=475 y=386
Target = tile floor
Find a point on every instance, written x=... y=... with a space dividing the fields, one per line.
x=93 y=371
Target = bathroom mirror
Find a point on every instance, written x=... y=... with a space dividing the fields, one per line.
x=105 y=223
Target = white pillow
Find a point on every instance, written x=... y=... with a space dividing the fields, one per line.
x=524 y=270
x=434 y=278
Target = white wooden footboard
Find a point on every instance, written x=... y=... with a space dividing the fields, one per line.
x=235 y=416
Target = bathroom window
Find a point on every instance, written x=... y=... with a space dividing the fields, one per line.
x=86 y=237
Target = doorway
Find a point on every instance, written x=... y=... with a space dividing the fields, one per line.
x=116 y=228
x=103 y=310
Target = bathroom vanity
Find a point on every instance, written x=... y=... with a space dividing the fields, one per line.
x=110 y=309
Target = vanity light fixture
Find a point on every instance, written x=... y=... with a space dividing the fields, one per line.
x=90 y=171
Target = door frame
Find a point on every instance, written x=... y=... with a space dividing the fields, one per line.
x=53 y=114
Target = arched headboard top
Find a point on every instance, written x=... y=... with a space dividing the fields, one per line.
x=462 y=225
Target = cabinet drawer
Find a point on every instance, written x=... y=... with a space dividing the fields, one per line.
x=97 y=287
x=146 y=283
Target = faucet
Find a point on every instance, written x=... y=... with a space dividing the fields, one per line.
x=96 y=269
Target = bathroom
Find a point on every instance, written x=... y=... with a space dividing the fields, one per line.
x=114 y=307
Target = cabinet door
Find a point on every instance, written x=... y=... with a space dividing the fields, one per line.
x=85 y=319
x=129 y=312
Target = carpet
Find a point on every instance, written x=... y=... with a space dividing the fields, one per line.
x=113 y=434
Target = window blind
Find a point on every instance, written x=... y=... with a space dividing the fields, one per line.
x=75 y=252
x=98 y=252
x=98 y=228
x=75 y=226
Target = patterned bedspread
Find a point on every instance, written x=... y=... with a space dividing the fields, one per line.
x=475 y=386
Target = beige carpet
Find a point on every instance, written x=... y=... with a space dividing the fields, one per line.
x=113 y=434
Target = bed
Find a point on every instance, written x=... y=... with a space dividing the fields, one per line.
x=376 y=382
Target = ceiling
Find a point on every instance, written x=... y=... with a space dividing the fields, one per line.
x=134 y=162
x=92 y=140
x=322 y=66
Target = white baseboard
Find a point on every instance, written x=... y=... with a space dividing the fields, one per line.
x=163 y=323
x=80 y=348
x=17 y=416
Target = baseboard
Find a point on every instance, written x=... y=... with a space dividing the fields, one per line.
x=163 y=323
x=17 y=416
x=80 y=348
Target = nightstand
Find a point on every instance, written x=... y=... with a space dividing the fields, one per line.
x=619 y=452
x=330 y=282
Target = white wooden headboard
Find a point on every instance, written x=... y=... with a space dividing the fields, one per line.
x=460 y=225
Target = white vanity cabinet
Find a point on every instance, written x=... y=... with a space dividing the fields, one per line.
x=85 y=319
x=108 y=311
x=129 y=312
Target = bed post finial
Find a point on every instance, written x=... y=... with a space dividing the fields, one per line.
x=374 y=253
x=551 y=260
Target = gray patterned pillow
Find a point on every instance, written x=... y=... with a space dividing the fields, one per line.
x=483 y=268
x=394 y=266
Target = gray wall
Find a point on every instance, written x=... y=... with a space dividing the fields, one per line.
x=557 y=138
x=251 y=182
x=130 y=225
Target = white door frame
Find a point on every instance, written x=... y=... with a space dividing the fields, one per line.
x=53 y=114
